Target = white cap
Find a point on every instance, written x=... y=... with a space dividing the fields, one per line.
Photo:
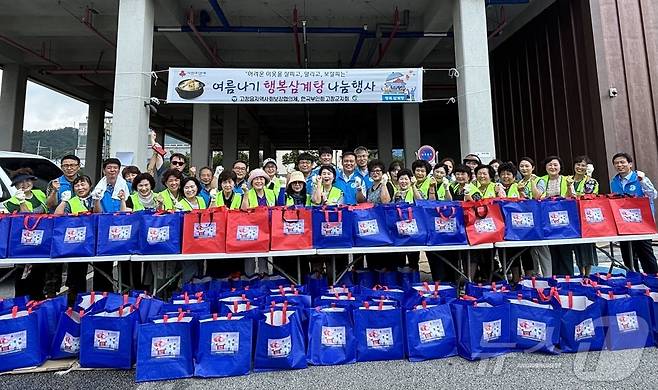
x=269 y=160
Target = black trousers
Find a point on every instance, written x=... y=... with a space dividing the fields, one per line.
x=414 y=258
x=440 y=270
x=562 y=259
x=100 y=282
x=643 y=251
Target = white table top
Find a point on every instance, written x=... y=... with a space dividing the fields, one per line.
x=571 y=241
x=398 y=249
x=42 y=260
x=219 y=256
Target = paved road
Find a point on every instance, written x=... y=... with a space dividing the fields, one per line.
x=633 y=369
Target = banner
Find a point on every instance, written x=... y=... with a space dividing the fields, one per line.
x=294 y=86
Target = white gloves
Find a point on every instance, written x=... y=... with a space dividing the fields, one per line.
x=178 y=206
x=467 y=190
x=213 y=193
x=445 y=182
x=20 y=196
x=218 y=171
x=66 y=196
x=589 y=170
x=97 y=194
x=283 y=181
x=384 y=179
x=640 y=175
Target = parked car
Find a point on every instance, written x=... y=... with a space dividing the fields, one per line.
x=44 y=169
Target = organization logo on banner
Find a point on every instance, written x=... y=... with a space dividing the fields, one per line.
x=225 y=342
x=333 y=336
x=13 y=342
x=279 y=348
x=163 y=347
x=379 y=337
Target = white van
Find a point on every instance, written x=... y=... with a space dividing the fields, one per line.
x=44 y=169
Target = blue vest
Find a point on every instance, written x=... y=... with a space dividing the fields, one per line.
x=348 y=187
x=205 y=194
x=64 y=185
x=632 y=187
x=108 y=204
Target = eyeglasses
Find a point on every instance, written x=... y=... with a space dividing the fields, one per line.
x=239 y=169
x=376 y=171
x=66 y=166
x=178 y=163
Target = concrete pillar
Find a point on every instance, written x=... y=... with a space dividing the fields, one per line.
x=268 y=149
x=132 y=81
x=411 y=126
x=473 y=84
x=95 y=133
x=384 y=133
x=254 y=147
x=12 y=107
x=201 y=136
x=230 y=138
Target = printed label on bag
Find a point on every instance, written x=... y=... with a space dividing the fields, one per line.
x=485 y=225
x=631 y=215
x=205 y=230
x=431 y=331
x=247 y=233
x=627 y=322
x=278 y=348
x=13 y=342
x=120 y=233
x=75 y=235
x=106 y=339
x=491 y=330
x=331 y=229
x=367 y=228
x=225 y=342
x=31 y=237
x=70 y=344
x=558 y=218
x=162 y=347
x=584 y=330
x=594 y=215
x=407 y=228
x=523 y=220
x=529 y=329
x=379 y=337
x=157 y=235
x=295 y=228
x=445 y=225
x=333 y=336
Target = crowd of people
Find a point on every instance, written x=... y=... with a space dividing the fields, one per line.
x=173 y=185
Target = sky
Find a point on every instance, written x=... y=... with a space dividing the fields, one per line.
x=46 y=109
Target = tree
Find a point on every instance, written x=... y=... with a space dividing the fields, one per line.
x=291 y=158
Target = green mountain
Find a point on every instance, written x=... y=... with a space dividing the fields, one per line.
x=63 y=142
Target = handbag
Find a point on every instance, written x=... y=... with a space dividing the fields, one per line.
x=596 y=217
x=534 y=325
x=107 y=339
x=406 y=225
x=66 y=342
x=633 y=215
x=445 y=223
x=581 y=322
x=20 y=340
x=482 y=327
x=484 y=222
x=430 y=332
x=331 y=338
x=378 y=332
x=560 y=218
x=248 y=231
x=280 y=341
x=118 y=234
x=160 y=233
x=292 y=229
x=204 y=231
x=370 y=227
x=332 y=227
x=629 y=320
x=522 y=220
x=224 y=347
x=31 y=236
x=74 y=236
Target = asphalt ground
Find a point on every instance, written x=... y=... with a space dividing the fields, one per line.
x=630 y=369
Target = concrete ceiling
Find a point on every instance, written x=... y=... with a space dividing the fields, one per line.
x=50 y=38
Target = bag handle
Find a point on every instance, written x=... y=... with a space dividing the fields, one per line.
x=283 y=214
x=410 y=215
x=478 y=213
x=26 y=221
x=453 y=211
x=338 y=212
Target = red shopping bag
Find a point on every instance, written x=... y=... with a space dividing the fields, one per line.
x=292 y=229
x=248 y=231
x=204 y=231
x=596 y=217
x=484 y=222
x=633 y=215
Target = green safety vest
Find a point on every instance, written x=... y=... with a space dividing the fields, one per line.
x=77 y=206
x=41 y=197
x=275 y=185
x=513 y=191
x=253 y=198
x=291 y=202
x=236 y=202
x=440 y=192
x=564 y=188
x=137 y=205
x=580 y=188
x=529 y=185
x=409 y=196
x=168 y=201
x=187 y=206
x=424 y=187
x=333 y=197
x=489 y=192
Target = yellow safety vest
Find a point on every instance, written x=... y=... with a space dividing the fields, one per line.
x=291 y=202
x=408 y=197
x=580 y=188
x=236 y=202
x=168 y=202
x=333 y=197
x=564 y=188
x=513 y=191
x=77 y=206
x=270 y=198
x=187 y=206
x=41 y=197
x=489 y=192
x=424 y=187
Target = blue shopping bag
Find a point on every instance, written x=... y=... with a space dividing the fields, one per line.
x=48 y=311
x=107 y=339
x=383 y=292
x=331 y=337
x=444 y=222
x=66 y=342
x=370 y=227
x=20 y=340
x=522 y=220
x=618 y=280
x=378 y=332
x=406 y=225
x=5 y=227
x=280 y=341
x=581 y=322
x=388 y=278
x=332 y=227
x=186 y=304
x=560 y=218
x=430 y=293
x=364 y=278
x=346 y=300
x=482 y=327
x=160 y=233
x=8 y=303
x=430 y=332
x=316 y=283
x=224 y=347
x=90 y=301
x=31 y=235
x=628 y=320
x=117 y=234
x=408 y=277
x=74 y=236
x=477 y=290
x=534 y=326
x=652 y=294
x=164 y=349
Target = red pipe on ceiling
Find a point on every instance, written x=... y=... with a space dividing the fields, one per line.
x=296 y=33
x=86 y=20
x=396 y=27
x=211 y=53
